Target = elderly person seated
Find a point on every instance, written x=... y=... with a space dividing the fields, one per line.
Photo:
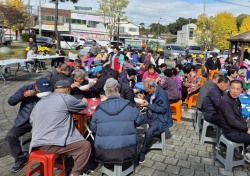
x=118 y=145
x=53 y=129
x=76 y=65
x=102 y=55
x=151 y=73
x=191 y=82
x=79 y=84
x=159 y=116
x=32 y=53
x=242 y=77
x=129 y=78
x=98 y=83
x=64 y=74
x=171 y=87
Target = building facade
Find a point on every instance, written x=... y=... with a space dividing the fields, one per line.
x=186 y=37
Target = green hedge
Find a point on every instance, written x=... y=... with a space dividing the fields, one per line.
x=25 y=37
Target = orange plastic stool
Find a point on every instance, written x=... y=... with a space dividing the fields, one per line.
x=203 y=80
x=191 y=100
x=198 y=71
x=177 y=109
x=47 y=163
x=212 y=72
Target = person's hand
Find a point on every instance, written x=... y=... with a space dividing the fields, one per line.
x=248 y=131
x=140 y=96
x=84 y=99
x=75 y=84
x=144 y=104
x=30 y=93
x=93 y=83
x=120 y=71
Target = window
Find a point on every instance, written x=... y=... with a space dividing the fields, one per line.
x=122 y=29
x=77 y=21
x=191 y=33
x=132 y=29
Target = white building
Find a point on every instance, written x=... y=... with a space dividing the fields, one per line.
x=128 y=28
x=186 y=37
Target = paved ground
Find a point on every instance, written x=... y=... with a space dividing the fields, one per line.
x=184 y=156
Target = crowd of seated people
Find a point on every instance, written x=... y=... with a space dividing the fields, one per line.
x=114 y=76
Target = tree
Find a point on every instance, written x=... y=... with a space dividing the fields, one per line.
x=13 y=17
x=239 y=19
x=56 y=19
x=177 y=25
x=223 y=27
x=111 y=10
x=203 y=32
x=245 y=26
x=153 y=28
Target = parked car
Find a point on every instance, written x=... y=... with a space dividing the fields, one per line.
x=171 y=51
x=69 y=41
x=210 y=54
x=136 y=48
x=193 y=50
x=83 y=52
x=225 y=54
x=46 y=41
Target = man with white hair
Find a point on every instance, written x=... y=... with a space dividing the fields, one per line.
x=159 y=116
x=118 y=145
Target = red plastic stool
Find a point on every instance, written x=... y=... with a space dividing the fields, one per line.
x=47 y=163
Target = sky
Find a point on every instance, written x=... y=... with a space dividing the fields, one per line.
x=150 y=11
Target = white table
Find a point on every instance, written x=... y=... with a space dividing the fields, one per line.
x=8 y=63
x=43 y=58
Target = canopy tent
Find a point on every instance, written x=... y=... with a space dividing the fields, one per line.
x=237 y=45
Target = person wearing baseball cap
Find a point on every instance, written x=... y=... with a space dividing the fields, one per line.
x=97 y=86
x=53 y=129
x=26 y=95
x=116 y=62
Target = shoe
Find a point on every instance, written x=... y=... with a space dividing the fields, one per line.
x=247 y=157
x=19 y=165
x=142 y=158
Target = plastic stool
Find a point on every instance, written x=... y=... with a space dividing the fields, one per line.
x=191 y=100
x=177 y=109
x=228 y=161
x=204 y=138
x=47 y=163
x=198 y=71
x=212 y=72
x=199 y=117
x=203 y=80
x=117 y=170
x=161 y=145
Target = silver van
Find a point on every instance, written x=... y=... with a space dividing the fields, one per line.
x=171 y=51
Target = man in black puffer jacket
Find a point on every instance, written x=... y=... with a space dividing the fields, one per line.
x=26 y=95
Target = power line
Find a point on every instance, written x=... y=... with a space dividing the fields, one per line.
x=232 y=3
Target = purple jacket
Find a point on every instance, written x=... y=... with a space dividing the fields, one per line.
x=179 y=83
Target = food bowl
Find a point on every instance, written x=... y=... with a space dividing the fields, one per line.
x=43 y=94
x=248 y=93
x=139 y=101
x=84 y=88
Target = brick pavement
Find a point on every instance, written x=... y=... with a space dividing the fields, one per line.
x=184 y=155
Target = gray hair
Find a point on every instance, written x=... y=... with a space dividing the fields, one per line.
x=150 y=82
x=79 y=73
x=242 y=72
x=112 y=91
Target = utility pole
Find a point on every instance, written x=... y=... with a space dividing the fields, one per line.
x=204 y=7
x=56 y=24
x=118 y=30
x=40 y=17
x=158 y=33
